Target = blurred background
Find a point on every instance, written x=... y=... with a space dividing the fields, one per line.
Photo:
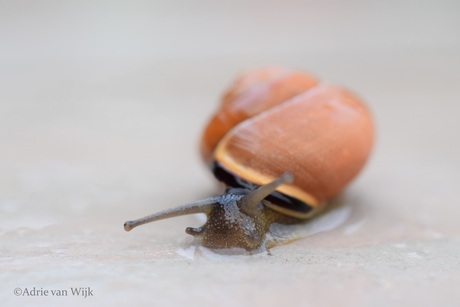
x=101 y=108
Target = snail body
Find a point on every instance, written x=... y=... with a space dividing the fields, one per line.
x=307 y=140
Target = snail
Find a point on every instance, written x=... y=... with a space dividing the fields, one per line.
x=284 y=145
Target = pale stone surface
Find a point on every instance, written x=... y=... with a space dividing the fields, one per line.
x=101 y=108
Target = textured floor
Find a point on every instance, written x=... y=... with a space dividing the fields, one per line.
x=101 y=109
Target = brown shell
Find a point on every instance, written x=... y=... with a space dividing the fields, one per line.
x=253 y=92
x=323 y=136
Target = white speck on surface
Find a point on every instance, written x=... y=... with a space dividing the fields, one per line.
x=414 y=255
x=434 y=234
x=9 y=206
x=188 y=252
x=79 y=207
x=400 y=245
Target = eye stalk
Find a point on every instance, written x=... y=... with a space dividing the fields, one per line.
x=237 y=219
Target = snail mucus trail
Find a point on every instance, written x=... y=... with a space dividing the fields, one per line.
x=236 y=219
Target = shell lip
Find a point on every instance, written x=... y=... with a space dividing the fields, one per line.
x=277 y=201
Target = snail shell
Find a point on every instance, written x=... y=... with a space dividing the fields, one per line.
x=322 y=135
x=283 y=144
